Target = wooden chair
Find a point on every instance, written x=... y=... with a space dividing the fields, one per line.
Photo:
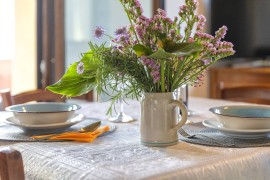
x=35 y=95
x=259 y=94
x=11 y=164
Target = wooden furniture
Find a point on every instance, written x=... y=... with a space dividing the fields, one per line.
x=35 y=95
x=11 y=164
x=241 y=84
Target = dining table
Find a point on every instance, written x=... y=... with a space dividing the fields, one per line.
x=120 y=154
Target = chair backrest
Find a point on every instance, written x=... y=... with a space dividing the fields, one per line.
x=35 y=95
x=41 y=95
x=259 y=94
x=11 y=164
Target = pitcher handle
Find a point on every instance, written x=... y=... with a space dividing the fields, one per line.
x=184 y=114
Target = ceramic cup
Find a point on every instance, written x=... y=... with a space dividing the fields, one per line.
x=160 y=120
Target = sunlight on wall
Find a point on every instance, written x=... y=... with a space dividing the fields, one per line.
x=24 y=67
x=7 y=30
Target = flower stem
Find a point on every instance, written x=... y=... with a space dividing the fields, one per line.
x=108 y=36
x=132 y=26
x=168 y=65
x=162 y=75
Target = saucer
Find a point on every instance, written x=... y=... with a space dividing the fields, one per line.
x=74 y=120
x=237 y=133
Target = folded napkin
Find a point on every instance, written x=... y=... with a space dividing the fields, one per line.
x=75 y=136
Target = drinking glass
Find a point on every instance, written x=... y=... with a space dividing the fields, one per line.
x=121 y=117
x=181 y=94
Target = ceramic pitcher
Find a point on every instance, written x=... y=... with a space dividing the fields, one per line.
x=160 y=120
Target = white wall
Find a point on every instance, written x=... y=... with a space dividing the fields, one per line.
x=24 y=74
x=7 y=30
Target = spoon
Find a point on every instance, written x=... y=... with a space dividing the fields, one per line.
x=89 y=128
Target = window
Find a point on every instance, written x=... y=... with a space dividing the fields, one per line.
x=81 y=17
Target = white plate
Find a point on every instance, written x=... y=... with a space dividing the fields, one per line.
x=237 y=133
x=111 y=126
x=76 y=119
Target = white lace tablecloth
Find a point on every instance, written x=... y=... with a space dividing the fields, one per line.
x=120 y=155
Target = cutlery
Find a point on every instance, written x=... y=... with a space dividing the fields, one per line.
x=182 y=132
x=89 y=128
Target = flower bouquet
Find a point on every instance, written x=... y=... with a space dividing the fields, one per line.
x=150 y=55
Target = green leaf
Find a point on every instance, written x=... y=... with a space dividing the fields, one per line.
x=188 y=48
x=161 y=54
x=181 y=48
x=142 y=50
x=74 y=84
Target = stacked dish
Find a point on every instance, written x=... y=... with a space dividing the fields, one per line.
x=44 y=116
x=244 y=122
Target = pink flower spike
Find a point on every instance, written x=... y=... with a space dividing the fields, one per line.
x=190 y=40
x=161 y=12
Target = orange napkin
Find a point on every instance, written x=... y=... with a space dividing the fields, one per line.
x=76 y=136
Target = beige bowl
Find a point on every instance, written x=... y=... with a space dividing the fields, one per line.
x=243 y=117
x=43 y=113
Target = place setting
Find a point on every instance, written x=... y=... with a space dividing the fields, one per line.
x=51 y=122
x=232 y=126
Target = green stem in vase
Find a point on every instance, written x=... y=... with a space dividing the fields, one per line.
x=168 y=65
x=162 y=75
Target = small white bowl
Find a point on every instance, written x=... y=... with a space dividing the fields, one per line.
x=43 y=113
x=243 y=117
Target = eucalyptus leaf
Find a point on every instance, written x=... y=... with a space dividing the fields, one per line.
x=161 y=54
x=74 y=84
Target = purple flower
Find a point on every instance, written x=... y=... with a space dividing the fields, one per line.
x=124 y=37
x=140 y=31
x=80 y=68
x=156 y=78
x=178 y=37
x=182 y=10
x=138 y=7
x=98 y=32
x=144 y=60
x=161 y=12
x=225 y=44
x=201 y=23
x=225 y=52
x=190 y=40
x=220 y=34
x=204 y=36
x=172 y=31
x=154 y=73
x=122 y=30
x=181 y=58
x=167 y=19
x=194 y=4
x=206 y=61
